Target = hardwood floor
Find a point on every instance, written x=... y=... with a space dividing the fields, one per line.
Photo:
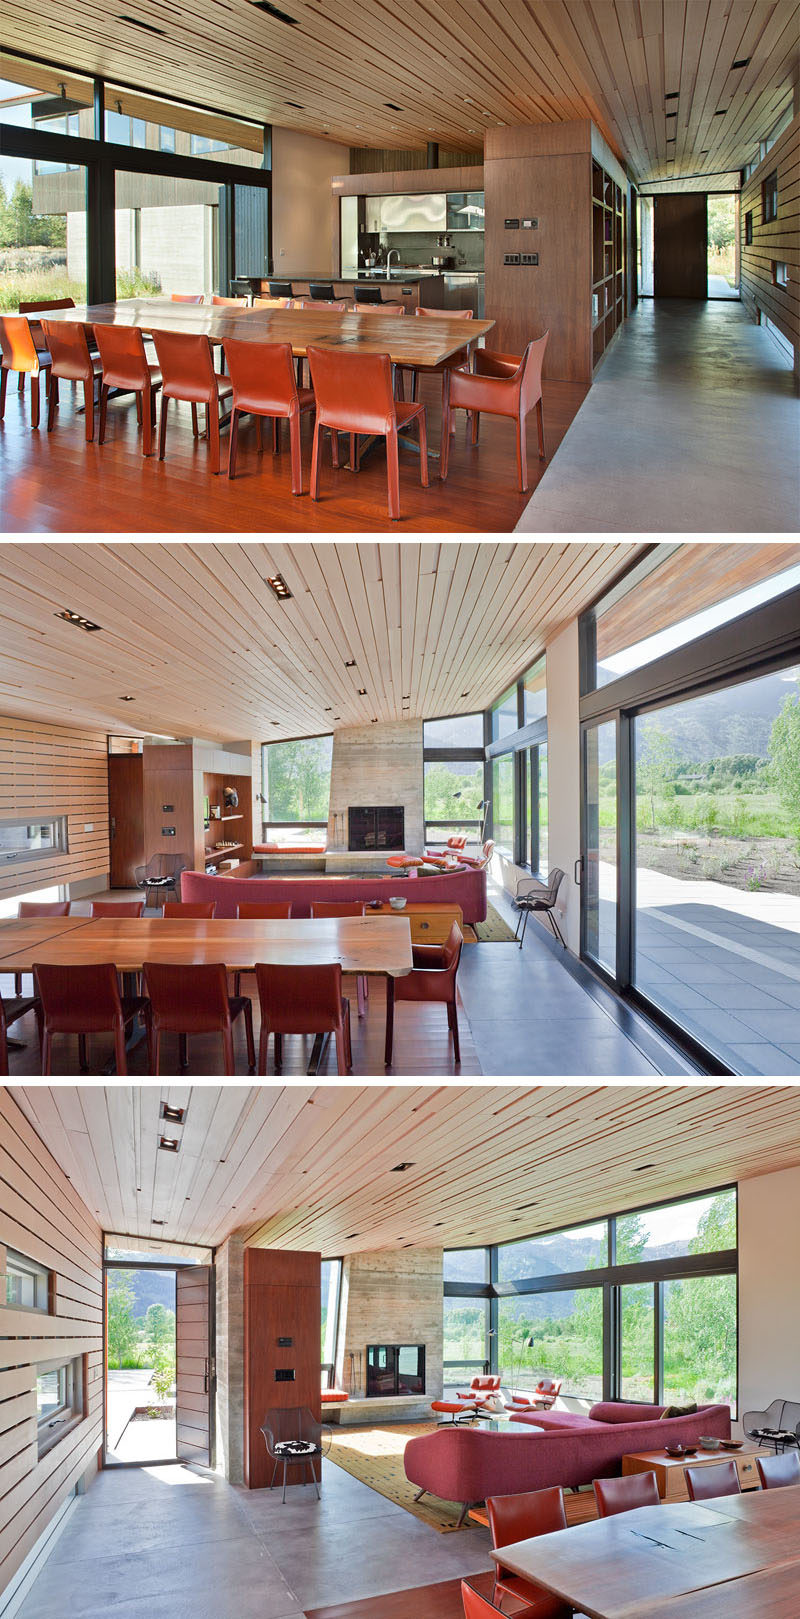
x=56 y=482
x=441 y=1601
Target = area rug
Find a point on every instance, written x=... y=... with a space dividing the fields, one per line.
x=495 y=930
x=375 y=1456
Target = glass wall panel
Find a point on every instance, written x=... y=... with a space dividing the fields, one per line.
x=505 y=714
x=296 y=782
x=331 y=1272
x=637 y=1342
x=462 y=731
x=503 y=804
x=557 y=1253
x=717 y=945
x=43 y=202
x=534 y=691
x=706 y=1225
x=465 y=1265
x=557 y=1335
x=700 y=1341
x=544 y=817
x=600 y=851
x=465 y=1327
x=167 y=235
x=453 y=790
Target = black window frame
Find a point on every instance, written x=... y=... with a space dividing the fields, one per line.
x=769 y=198
x=438 y=831
x=748 y=228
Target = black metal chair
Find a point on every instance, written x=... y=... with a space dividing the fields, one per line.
x=321 y=289
x=293 y=1437
x=778 y=1426
x=160 y=876
x=280 y=289
x=538 y=896
x=10 y=1011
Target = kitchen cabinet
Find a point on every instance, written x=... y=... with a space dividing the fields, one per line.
x=425 y=212
x=465 y=210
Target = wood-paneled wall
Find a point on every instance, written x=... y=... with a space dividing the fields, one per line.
x=42 y=1217
x=55 y=770
x=282 y=1299
x=376 y=160
x=777 y=242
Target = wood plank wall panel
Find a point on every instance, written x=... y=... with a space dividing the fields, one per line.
x=55 y=770
x=369 y=182
x=777 y=241
x=373 y=160
x=43 y=1217
x=282 y=1298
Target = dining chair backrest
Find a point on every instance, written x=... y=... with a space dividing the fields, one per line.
x=83 y=998
x=17 y=345
x=531 y=372
x=187 y=297
x=445 y=314
x=262 y=373
x=188 y=999
x=523 y=1516
x=300 y=1000
x=117 y=907
x=266 y=911
x=476 y=1606
x=69 y=349
x=777 y=1472
x=186 y=363
x=379 y=309
x=45 y=303
x=280 y=289
x=43 y=907
x=353 y=387
x=194 y=911
x=320 y=303
x=321 y=291
x=273 y=303
x=123 y=357
x=614 y=1495
x=706 y=1483
x=330 y=907
x=234 y=303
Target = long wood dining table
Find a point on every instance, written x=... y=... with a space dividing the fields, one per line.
x=624 y=1566
x=363 y=945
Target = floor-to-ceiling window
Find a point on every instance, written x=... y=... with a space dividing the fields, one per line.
x=466 y=1323
x=691 y=724
x=331 y=1286
x=295 y=788
x=453 y=785
x=517 y=756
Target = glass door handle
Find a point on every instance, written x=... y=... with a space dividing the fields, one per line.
x=578 y=868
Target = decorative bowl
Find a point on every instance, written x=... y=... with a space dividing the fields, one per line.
x=398 y=902
x=708 y=1442
x=731 y=1444
x=374 y=904
x=675 y=1450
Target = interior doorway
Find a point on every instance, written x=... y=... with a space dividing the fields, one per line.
x=723 y=244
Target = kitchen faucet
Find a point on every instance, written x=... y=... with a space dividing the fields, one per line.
x=396 y=252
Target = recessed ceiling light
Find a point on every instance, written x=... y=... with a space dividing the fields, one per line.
x=374 y=721
x=743 y=61
x=169 y=1144
x=352 y=1235
x=279 y=587
x=350 y=663
x=672 y=95
x=273 y=11
x=329 y=709
x=362 y=691
x=274 y=722
x=465 y=694
x=639 y=1167
x=720 y=112
x=158 y=1222
x=392 y=105
x=135 y=23
x=127 y=699
x=671 y=114
x=298 y=106
x=397 y=1169
x=173 y=1115
x=77 y=619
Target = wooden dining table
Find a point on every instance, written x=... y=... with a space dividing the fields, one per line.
x=622 y=1567
x=772 y=1593
x=363 y=945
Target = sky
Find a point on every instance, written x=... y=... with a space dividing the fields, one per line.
x=14 y=168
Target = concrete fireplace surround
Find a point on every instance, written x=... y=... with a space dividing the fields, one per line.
x=374 y=764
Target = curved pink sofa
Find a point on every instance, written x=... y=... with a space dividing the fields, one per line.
x=560 y=1447
x=465 y=888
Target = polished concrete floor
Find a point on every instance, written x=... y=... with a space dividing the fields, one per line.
x=691 y=425
x=180 y=1543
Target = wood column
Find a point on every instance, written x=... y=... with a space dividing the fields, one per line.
x=282 y=1300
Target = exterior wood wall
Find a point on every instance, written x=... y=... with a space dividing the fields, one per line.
x=42 y=1217
x=777 y=242
x=55 y=770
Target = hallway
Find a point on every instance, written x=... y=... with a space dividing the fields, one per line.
x=691 y=425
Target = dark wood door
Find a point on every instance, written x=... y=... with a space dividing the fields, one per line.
x=680 y=246
x=125 y=817
x=194 y=1364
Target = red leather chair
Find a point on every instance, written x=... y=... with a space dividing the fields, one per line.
x=196 y=911
x=776 y=1472
x=615 y=1495
x=324 y=907
x=116 y=907
x=194 y=1000
x=264 y=384
x=39 y=907
x=303 y=1000
x=378 y=308
x=71 y=362
x=10 y=1011
x=20 y=353
x=127 y=368
x=487 y=1383
x=187 y=371
x=454 y=362
x=543 y=1398
x=233 y=303
x=187 y=297
x=501 y=385
x=274 y=303
x=706 y=1483
x=271 y=911
x=354 y=395
x=432 y=978
x=83 y=1000
x=320 y=303
x=478 y=1607
x=522 y=1517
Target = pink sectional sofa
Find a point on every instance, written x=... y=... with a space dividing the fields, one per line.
x=466 y=1464
x=466 y=888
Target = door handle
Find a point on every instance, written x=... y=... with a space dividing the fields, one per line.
x=577 y=869
x=205 y=1378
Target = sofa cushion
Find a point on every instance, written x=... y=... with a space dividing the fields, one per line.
x=625 y=1411
x=678 y=1411
x=553 y=1419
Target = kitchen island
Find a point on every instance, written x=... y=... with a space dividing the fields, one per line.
x=436 y=289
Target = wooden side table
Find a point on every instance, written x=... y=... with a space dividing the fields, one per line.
x=670 y=1471
x=430 y=923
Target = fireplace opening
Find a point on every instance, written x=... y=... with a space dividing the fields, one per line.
x=375 y=827
x=395 y=1369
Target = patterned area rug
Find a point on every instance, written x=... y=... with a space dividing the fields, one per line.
x=495 y=930
x=375 y=1456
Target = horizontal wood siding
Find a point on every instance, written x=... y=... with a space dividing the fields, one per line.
x=55 y=770
x=776 y=242
x=42 y=1216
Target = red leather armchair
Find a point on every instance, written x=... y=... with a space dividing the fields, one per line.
x=501 y=385
x=354 y=395
x=72 y=361
x=264 y=384
x=432 y=978
x=523 y=1517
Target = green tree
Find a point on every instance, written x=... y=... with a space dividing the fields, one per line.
x=297 y=779
x=784 y=758
x=122 y=1329
x=159 y=1327
x=163 y=1370
x=657 y=763
x=720 y=222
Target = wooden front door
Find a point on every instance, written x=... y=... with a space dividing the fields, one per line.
x=194 y=1364
x=125 y=817
x=680 y=246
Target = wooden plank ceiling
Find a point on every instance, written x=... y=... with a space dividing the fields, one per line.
x=372 y=74
x=313 y=1167
x=194 y=634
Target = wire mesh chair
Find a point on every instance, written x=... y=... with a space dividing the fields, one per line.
x=537 y=896
x=295 y=1438
x=778 y=1426
x=160 y=876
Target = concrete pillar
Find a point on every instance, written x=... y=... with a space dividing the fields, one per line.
x=230 y=1360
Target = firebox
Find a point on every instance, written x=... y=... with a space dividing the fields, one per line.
x=395 y=1369
x=375 y=826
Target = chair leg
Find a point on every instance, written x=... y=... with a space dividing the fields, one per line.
x=228 y=1064
x=47 y=1050
x=3 y=388
x=393 y=474
x=260 y=434
x=21 y=383
x=120 y=1055
x=162 y=427
x=276 y=435
x=263 y=1044
x=138 y=410
x=296 y=455
x=355 y=454
x=232 y=448
x=360 y=997
x=52 y=401
x=334 y=449
x=314 y=491
x=195 y=428
x=83 y=1060
x=522 y=457
x=444 y=448
x=248 y=1035
x=452 y=1018
x=278 y=1038
x=36 y=397
x=88 y=408
x=147 y=421
x=389 y=1045
x=103 y=411
x=476 y=425
x=524 y=926
x=423 y=449
x=556 y=929
x=540 y=427
x=213 y=435
x=341 y=1053
x=183 y=1050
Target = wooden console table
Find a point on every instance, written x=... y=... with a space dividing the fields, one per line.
x=670 y=1471
x=430 y=923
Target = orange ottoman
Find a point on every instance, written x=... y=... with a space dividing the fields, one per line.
x=454 y=1409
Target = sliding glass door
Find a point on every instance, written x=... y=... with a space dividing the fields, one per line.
x=599 y=854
